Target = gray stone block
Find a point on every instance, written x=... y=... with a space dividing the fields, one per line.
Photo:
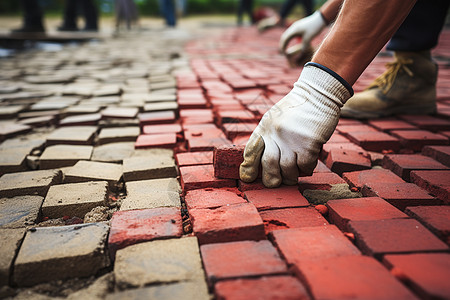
x=74 y=135
x=163 y=261
x=10 y=240
x=28 y=183
x=57 y=253
x=151 y=166
x=64 y=156
x=114 y=152
x=84 y=171
x=19 y=211
x=120 y=134
x=74 y=199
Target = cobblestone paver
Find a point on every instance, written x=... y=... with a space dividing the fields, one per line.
x=118 y=179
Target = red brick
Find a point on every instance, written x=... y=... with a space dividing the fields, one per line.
x=192 y=103
x=241 y=140
x=359 y=178
x=136 y=226
x=160 y=117
x=255 y=185
x=426 y=273
x=321 y=168
x=403 y=164
x=439 y=153
x=282 y=197
x=389 y=125
x=234 y=222
x=165 y=140
x=379 y=237
x=202 y=131
x=264 y=288
x=338 y=138
x=196 y=116
x=194 y=158
x=319 y=181
x=343 y=146
x=416 y=139
x=233 y=130
x=212 y=198
x=340 y=161
x=241 y=259
x=299 y=245
x=346 y=129
x=361 y=209
x=436 y=183
x=400 y=195
x=375 y=141
x=207 y=144
x=291 y=218
x=163 y=128
x=227 y=160
x=346 y=122
x=435 y=218
x=428 y=122
x=352 y=277
x=202 y=176
x=233 y=116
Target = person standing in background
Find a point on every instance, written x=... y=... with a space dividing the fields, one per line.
x=167 y=8
x=245 y=6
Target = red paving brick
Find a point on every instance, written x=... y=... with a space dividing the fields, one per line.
x=264 y=288
x=428 y=122
x=202 y=176
x=340 y=161
x=163 y=128
x=416 y=139
x=423 y=272
x=227 y=160
x=319 y=181
x=136 y=226
x=403 y=164
x=299 y=245
x=194 y=158
x=344 y=146
x=236 y=222
x=439 y=153
x=351 y=277
x=291 y=218
x=255 y=185
x=388 y=125
x=359 y=178
x=374 y=141
x=233 y=130
x=435 y=218
x=282 y=197
x=436 y=183
x=379 y=237
x=165 y=140
x=361 y=209
x=212 y=198
x=240 y=260
x=400 y=195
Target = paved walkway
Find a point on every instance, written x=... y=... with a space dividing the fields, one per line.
x=109 y=190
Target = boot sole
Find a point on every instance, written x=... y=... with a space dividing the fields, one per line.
x=399 y=110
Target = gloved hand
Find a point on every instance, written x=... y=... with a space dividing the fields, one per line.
x=307 y=28
x=290 y=135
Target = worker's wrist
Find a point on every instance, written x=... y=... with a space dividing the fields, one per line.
x=334 y=74
x=325 y=20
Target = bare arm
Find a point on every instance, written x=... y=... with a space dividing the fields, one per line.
x=330 y=10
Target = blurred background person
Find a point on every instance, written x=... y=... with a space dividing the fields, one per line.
x=126 y=11
x=181 y=7
x=286 y=9
x=247 y=7
x=167 y=8
x=89 y=12
x=32 y=17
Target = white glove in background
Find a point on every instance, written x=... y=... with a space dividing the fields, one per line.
x=307 y=28
x=290 y=135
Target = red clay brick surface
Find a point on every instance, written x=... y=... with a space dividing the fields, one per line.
x=282 y=197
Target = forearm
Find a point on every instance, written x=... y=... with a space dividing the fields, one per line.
x=330 y=10
x=359 y=33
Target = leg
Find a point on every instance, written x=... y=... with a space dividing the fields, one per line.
x=169 y=12
x=90 y=15
x=286 y=8
x=308 y=6
x=249 y=8
x=240 y=11
x=70 y=16
x=32 y=16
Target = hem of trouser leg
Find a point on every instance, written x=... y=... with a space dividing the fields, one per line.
x=334 y=74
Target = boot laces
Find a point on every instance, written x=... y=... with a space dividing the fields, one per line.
x=386 y=80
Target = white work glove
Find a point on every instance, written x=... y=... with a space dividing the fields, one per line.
x=308 y=28
x=289 y=137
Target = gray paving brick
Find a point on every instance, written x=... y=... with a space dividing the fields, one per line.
x=114 y=152
x=84 y=171
x=52 y=253
x=28 y=183
x=19 y=211
x=58 y=156
x=114 y=135
x=73 y=135
x=150 y=165
x=164 y=261
x=10 y=240
x=74 y=199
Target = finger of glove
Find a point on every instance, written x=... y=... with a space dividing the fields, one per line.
x=248 y=171
x=289 y=168
x=287 y=36
x=270 y=162
x=306 y=164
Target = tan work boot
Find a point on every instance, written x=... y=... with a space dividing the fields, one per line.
x=407 y=87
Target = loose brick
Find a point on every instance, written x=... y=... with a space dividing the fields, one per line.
x=137 y=226
x=255 y=185
x=227 y=160
x=264 y=288
x=20 y=211
x=120 y=112
x=163 y=128
x=115 y=135
x=241 y=259
x=340 y=161
x=13 y=160
x=212 y=198
x=439 y=153
x=338 y=138
x=321 y=168
x=375 y=141
x=235 y=222
x=64 y=156
x=233 y=130
x=359 y=178
x=114 y=152
x=29 y=183
x=319 y=181
x=428 y=122
x=194 y=158
x=435 y=218
x=379 y=237
x=11 y=239
x=436 y=183
x=79 y=120
x=157 y=164
x=207 y=144
x=202 y=176
x=343 y=146
x=84 y=171
x=282 y=197
x=389 y=125
x=425 y=273
x=160 y=117
x=164 y=140
x=299 y=245
x=46 y=253
x=400 y=195
x=234 y=116
x=73 y=135
x=291 y=218
x=416 y=139
x=164 y=261
x=351 y=277
x=74 y=199
x=403 y=164
x=362 y=209
x=346 y=129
